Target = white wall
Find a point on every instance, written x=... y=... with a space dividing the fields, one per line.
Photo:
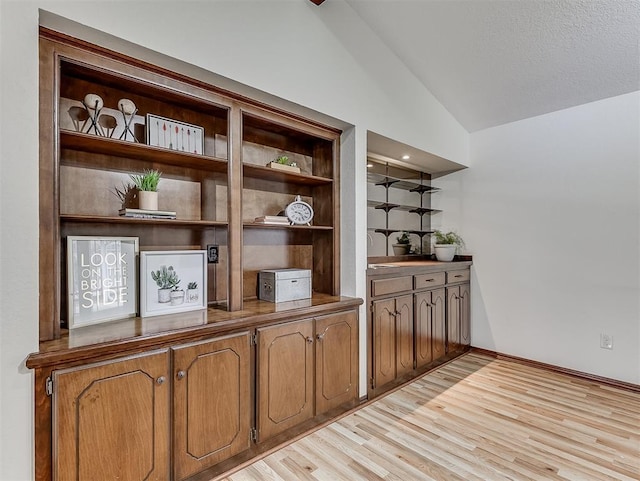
x=550 y=209
x=322 y=58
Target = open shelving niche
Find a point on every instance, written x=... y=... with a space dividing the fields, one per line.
x=216 y=194
x=382 y=174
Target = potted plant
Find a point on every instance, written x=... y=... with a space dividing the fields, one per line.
x=282 y=163
x=147 y=185
x=177 y=295
x=403 y=244
x=192 y=292
x=166 y=278
x=127 y=194
x=446 y=245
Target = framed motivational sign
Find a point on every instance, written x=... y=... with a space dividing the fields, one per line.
x=101 y=279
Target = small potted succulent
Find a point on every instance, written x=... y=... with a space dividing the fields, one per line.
x=166 y=279
x=192 y=292
x=147 y=185
x=282 y=163
x=402 y=245
x=446 y=245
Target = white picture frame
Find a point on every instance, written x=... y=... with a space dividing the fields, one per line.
x=188 y=266
x=174 y=135
x=102 y=275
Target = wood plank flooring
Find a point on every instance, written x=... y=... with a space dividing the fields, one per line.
x=475 y=418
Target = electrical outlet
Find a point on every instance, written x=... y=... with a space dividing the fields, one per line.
x=212 y=253
x=606 y=341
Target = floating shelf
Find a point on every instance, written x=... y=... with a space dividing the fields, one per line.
x=397 y=183
x=386 y=206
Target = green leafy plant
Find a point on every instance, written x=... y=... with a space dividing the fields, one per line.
x=148 y=180
x=403 y=238
x=450 y=237
x=192 y=285
x=283 y=159
x=166 y=278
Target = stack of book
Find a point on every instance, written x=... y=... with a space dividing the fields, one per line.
x=147 y=214
x=272 y=219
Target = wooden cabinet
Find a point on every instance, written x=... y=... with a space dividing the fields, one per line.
x=212 y=146
x=111 y=420
x=430 y=333
x=458 y=317
x=305 y=368
x=214 y=176
x=285 y=374
x=336 y=360
x=211 y=402
x=392 y=339
x=465 y=315
x=419 y=317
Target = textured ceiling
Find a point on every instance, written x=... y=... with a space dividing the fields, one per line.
x=490 y=62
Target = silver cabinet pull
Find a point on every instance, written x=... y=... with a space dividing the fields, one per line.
x=161 y=380
x=181 y=375
x=320 y=337
x=310 y=340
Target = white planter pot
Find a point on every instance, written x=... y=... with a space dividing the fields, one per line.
x=147 y=200
x=445 y=252
x=164 y=295
x=193 y=295
x=177 y=297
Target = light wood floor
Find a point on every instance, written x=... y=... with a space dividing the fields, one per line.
x=475 y=418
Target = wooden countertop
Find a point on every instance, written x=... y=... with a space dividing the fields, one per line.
x=132 y=335
x=415 y=266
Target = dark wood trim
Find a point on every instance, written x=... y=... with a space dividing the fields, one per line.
x=96 y=49
x=562 y=370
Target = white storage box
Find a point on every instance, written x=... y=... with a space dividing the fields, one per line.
x=280 y=285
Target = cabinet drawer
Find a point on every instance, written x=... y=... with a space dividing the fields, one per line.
x=458 y=276
x=380 y=287
x=429 y=280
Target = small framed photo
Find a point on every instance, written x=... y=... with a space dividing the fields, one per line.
x=174 y=135
x=172 y=281
x=101 y=279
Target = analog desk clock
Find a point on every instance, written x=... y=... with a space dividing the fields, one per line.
x=299 y=212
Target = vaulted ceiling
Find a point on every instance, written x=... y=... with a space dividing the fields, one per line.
x=490 y=62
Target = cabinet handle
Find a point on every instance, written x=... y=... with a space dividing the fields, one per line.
x=310 y=340
x=161 y=380
x=392 y=313
x=458 y=275
x=398 y=313
x=320 y=337
x=181 y=375
x=429 y=280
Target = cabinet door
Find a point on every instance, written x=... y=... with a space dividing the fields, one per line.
x=423 y=328
x=384 y=341
x=439 y=331
x=465 y=315
x=111 y=420
x=336 y=360
x=211 y=402
x=404 y=334
x=453 y=318
x=285 y=377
